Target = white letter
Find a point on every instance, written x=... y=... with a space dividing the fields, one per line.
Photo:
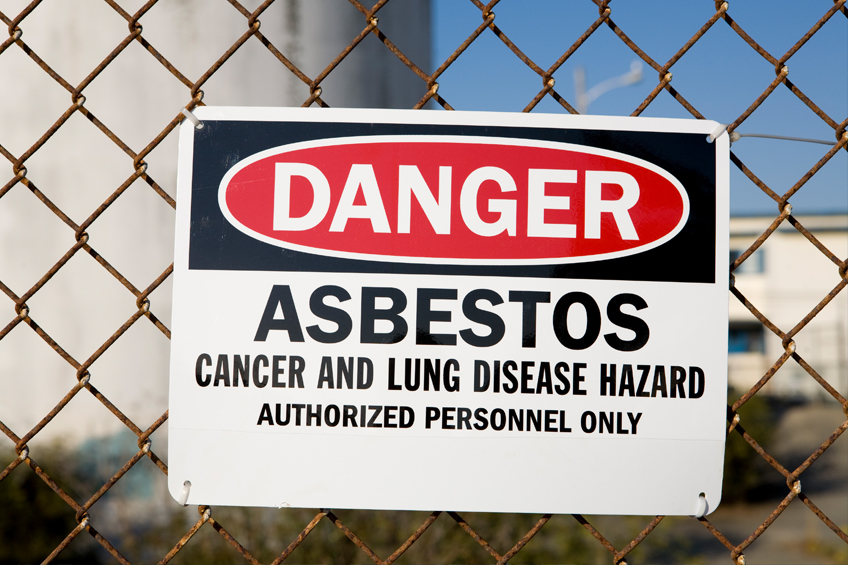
x=538 y=202
x=283 y=173
x=595 y=206
x=438 y=213
x=361 y=175
x=505 y=208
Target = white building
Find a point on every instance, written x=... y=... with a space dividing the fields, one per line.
x=785 y=279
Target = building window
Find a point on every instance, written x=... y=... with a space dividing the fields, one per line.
x=746 y=337
x=753 y=265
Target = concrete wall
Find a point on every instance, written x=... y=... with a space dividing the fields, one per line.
x=79 y=168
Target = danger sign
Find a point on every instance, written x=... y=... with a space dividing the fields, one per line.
x=447 y=310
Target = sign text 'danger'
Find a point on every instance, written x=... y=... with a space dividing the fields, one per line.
x=442 y=198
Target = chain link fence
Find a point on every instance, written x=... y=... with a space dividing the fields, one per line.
x=382 y=536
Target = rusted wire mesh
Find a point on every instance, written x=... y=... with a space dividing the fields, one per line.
x=146 y=313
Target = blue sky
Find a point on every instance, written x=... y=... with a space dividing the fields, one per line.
x=721 y=76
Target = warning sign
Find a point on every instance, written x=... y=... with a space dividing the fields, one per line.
x=448 y=310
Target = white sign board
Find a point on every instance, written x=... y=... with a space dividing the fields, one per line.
x=449 y=310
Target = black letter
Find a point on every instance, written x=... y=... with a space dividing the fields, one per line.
x=392 y=385
x=431 y=415
x=296 y=365
x=242 y=368
x=588 y=428
x=634 y=421
x=593 y=320
x=559 y=371
x=696 y=391
x=481 y=376
x=678 y=375
x=508 y=368
x=364 y=373
x=480 y=415
x=265 y=415
x=526 y=377
x=626 y=321
x=371 y=314
x=280 y=421
x=198 y=370
x=451 y=381
x=349 y=416
x=222 y=371
x=325 y=373
x=643 y=380
x=332 y=415
x=277 y=370
x=483 y=317
x=407 y=417
x=528 y=299
x=579 y=378
x=337 y=315
x=608 y=380
x=280 y=294
x=424 y=315
x=259 y=380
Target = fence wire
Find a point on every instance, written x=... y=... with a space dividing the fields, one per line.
x=145 y=312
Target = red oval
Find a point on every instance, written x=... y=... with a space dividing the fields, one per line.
x=247 y=194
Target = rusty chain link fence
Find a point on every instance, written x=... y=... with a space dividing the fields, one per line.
x=236 y=535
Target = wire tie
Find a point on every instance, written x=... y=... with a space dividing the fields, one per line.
x=207 y=514
x=740 y=560
x=192 y=118
x=84 y=380
x=24 y=311
x=735 y=136
x=702 y=506
x=24 y=454
x=18 y=33
x=145 y=448
x=716 y=133
x=796 y=488
x=183 y=500
x=736 y=419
